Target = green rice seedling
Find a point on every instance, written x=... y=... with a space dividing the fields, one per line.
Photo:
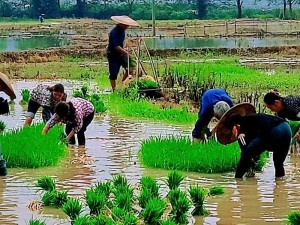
x=124 y=201
x=262 y=161
x=2 y=126
x=150 y=184
x=55 y=198
x=47 y=183
x=98 y=103
x=168 y=222
x=95 y=201
x=36 y=222
x=144 y=197
x=216 y=190
x=118 y=214
x=153 y=211
x=25 y=93
x=294 y=218
x=84 y=90
x=77 y=93
x=174 y=179
x=84 y=220
x=104 y=187
x=72 y=208
x=103 y=220
x=178 y=153
x=40 y=151
x=198 y=196
x=120 y=180
x=130 y=219
x=180 y=206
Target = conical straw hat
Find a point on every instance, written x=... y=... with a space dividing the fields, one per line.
x=125 y=20
x=224 y=133
x=6 y=87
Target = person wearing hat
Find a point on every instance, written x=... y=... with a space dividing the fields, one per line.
x=6 y=87
x=285 y=107
x=117 y=56
x=47 y=97
x=255 y=133
x=214 y=103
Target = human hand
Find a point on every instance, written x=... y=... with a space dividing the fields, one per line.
x=297 y=136
x=241 y=137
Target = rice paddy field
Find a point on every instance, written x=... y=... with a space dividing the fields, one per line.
x=133 y=137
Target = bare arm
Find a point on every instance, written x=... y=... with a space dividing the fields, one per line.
x=121 y=50
x=45 y=129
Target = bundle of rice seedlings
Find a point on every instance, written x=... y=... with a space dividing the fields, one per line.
x=47 y=183
x=294 y=218
x=72 y=208
x=216 y=190
x=198 y=196
x=153 y=211
x=36 y=222
x=95 y=201
x=174 y=179
x=180 y=206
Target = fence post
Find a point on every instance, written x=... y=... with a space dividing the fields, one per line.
x=226 y=28
x=235 y=26
x=266 y=25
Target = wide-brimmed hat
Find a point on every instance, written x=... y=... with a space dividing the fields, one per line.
x=5 y=86
x=223 y=132
x=125 y=20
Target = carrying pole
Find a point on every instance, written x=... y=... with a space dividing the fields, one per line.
x=151 y=62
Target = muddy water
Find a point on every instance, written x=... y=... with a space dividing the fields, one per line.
x=113 y=144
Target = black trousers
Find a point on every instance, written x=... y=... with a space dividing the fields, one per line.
x=80 y=134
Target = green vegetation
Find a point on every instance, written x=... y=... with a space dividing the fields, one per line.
x=72 y=208
x=180 y=205
x=47 y=183
x=175 y=178
x=36 y=222
x=198 y=195
x=294 y=218
x=153 y=212
x=179 y=153
x=216 y=190
x=28 y=148
x=2 y=126
x=25 y=93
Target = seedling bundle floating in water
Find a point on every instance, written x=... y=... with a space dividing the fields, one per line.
x=181 y=154
x=113 y=202
x=28 y=148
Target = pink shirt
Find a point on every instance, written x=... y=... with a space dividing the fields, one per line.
x=83 y=108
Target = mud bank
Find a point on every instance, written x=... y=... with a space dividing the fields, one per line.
x=54 y=54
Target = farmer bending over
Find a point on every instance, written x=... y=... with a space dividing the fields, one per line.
x=285 y=107
x=117 y=56
x=255 y=134
x=214 y=103
x=77 y=114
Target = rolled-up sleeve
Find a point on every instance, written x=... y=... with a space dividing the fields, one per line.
x=53 y=120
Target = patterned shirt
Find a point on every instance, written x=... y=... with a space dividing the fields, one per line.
x=291 y=108
x=83 y=108
x=42 y=96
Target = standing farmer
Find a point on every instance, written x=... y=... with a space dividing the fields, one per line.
x=214 y=103
x=6 y=87
x=116 y=54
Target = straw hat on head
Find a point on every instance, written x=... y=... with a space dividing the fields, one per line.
x=224 y=133
x=126 y=20
x=6 y=87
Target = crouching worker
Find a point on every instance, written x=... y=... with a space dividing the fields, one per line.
x=44 y=96
x=255 y=134
x=77 y=114
x=214 y=103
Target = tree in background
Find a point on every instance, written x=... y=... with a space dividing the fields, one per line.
x=239 y=4
x=202 y=8
x=80 y=8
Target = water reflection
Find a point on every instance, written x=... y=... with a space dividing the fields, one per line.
x=113 y=144
x=243 y=42
x=20 y=43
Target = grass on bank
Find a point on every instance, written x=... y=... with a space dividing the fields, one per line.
x=28 y=148
x=179 y=153
x=145 y=109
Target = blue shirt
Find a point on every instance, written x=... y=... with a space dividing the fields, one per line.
x=116 y=38
x=208 y=100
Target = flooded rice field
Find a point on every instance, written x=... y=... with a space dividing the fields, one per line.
x=112 y=147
